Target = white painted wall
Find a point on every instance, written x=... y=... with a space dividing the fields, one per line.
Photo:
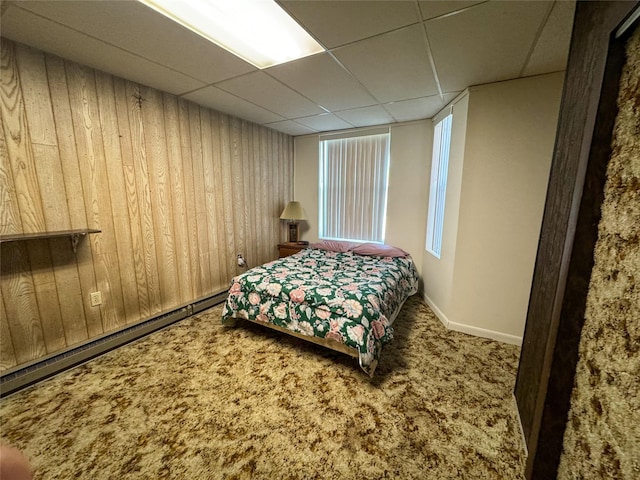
x=409 y=188
x=439 y=271
x=503 y=137
x=305 y=182
x=508 y=147
x=408 y=185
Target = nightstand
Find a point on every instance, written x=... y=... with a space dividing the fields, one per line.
x=289 y=248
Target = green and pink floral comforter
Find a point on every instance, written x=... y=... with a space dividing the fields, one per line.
x=345 y=297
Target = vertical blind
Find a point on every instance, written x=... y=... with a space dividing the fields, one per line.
x=353 y=187
x=438 y=188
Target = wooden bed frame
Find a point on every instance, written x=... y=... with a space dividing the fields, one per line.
x=323 y=342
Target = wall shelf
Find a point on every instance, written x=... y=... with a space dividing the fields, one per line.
x=74 y=235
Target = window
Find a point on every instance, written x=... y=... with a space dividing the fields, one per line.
x=438 y=186
x=354 y=174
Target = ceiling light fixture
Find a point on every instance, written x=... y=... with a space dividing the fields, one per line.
x=258 y=31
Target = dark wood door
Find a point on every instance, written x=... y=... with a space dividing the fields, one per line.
x=569 y=231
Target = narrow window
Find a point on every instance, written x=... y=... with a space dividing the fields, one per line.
x=438 y=186
x=353 y=176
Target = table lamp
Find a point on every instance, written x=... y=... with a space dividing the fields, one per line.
x=293 y=212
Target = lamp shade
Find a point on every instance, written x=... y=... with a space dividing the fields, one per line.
x=293 y=211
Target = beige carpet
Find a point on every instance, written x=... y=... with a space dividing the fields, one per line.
x=200 y=401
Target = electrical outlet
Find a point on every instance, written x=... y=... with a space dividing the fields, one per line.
x=96 y=298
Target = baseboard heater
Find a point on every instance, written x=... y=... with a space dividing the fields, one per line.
x=27 y=374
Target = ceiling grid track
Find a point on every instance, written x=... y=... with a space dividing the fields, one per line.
x=384 y=61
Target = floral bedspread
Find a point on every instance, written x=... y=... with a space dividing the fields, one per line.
x=345 y=297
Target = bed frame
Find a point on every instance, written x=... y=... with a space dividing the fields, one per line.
x=323 y=342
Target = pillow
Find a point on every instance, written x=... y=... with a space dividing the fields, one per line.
x=333 y=245
x=379 y=250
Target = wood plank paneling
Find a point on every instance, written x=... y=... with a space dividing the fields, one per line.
x=7 y=354
x=202 y=259
x=80 y=315
x=264 y=199
x=150 y=263
x=237 y=184
x=44 y=143
x=18 y=147
x=189 y=197
x=65 y=270
x=160 y=194
x=21 y=305
x=130 y=199
x=117 y=191
x=42 y=128
x=180 y=230
x=209 y=197
x=223 y=250
x=257 y=196
x=10 y=221
x=42 y=132
x=227 y=193
x=72 y=184
x=44 y=285
x=93 y=170
x=248 y=211
x=176 y=189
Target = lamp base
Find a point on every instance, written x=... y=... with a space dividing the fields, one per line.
x=293 y=232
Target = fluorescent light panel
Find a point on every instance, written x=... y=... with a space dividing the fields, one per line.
x=258 y=31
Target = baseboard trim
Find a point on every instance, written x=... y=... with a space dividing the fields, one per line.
x=481 y=332
x=469 y=329
x=27 y=374
x=439 y=313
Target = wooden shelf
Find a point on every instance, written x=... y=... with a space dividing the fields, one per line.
x=74 y=235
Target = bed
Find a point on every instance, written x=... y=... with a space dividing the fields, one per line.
x=345 y=298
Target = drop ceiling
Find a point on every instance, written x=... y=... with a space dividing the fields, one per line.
x=385 y=61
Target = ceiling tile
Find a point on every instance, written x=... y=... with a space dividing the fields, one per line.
x=336 y=23
x=291 y=128
x=322 y=79
x=222 y=101
x=487 y=43
x=324 y=122
x=431 y=9
x=260 y=89
x=552 y=49
x=379 y=70
x=418 y=108
x=394 y=66
x=366 y=116
x=25 y=27
x=133 y=27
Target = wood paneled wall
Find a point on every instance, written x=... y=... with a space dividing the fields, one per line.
x=176 y=189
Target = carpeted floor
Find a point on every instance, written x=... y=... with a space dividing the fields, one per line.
x=200 y=401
